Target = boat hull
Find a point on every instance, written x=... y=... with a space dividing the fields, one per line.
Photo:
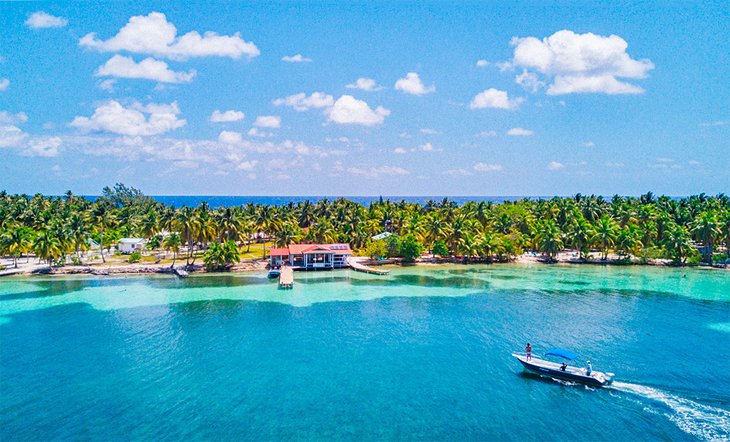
x=574 y=374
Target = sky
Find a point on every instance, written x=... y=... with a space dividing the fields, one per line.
x=351 y=98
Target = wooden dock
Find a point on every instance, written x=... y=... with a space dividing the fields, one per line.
x=365 y=269
x=286 y=278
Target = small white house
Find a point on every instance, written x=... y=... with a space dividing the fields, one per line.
x=129 y=245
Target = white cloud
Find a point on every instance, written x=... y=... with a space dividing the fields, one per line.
x=520 y=132
x=495 y=99
x=458 y=172
x=8 y=118
x=43 y=20
x=107 y=85
x=230 y=137
x=412 y=84
x=4 y=83
x=148 y=69
x=255 y=132
x=715 y=123
x=153 y=34
x=693 y=163
x=665 y=164
x=11 y=136
x=349 y=110
x=429 y=131
x=482 y=63
x=227 y=116
x=615 y=164
x=554 y=165
x=588 y=144
x=487 y=134
x=247 y=166
x=400 y=150
x=43 y=147
x=581 y=63
x=529 y=81
x=299 y=58
x=136 y=120
x=376 y=172
x=300 y=102
x=487 y=167
x=428 y=147
x=577 y=84
x=270 y=121
x=365 y=84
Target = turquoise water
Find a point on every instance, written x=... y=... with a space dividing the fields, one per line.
x=423 y=353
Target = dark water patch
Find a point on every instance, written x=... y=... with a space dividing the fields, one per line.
x=505 y=277
x=423 y=281
x=573 y=282
x=467 y=270
x=56 y=287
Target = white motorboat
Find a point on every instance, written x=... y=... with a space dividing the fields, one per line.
x=544 y=367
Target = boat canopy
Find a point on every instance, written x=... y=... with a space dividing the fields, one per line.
x=561 y=352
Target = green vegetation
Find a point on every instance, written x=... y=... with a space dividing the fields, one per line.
x=221 y=256
x=58 y=229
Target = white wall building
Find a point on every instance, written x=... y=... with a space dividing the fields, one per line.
x=129 y=245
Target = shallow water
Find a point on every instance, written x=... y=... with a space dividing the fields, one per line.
x=423 y=353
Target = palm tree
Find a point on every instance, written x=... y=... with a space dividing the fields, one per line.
x=706 y=228
x=288 y=234
x=628 y=240
x=16 y=241
x=101 y=217
x=434 y=230
x=605 y=234
x=46 y=246
x=173 y=243
x=580 y=234
x=187 y=223
x=78 y=232
x=221 y=256
x=150 y=223
x=549 y=238
x=678 y=243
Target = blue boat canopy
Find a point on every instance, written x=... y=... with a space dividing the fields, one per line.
x=561 y=352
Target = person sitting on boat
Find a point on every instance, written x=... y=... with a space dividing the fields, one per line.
x=563 y=366
x=528 y=350
x=589 y=368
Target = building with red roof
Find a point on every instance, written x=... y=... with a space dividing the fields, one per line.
x=311 y=256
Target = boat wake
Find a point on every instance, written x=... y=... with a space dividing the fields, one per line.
x=699 y=420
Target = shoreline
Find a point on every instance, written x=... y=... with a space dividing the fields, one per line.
x=260 y=265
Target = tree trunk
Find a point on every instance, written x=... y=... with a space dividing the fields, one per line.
x=101 y=245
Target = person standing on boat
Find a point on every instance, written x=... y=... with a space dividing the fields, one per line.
x=528 y=350
x=589 y=368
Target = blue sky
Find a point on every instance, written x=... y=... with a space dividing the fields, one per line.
x=388 y=98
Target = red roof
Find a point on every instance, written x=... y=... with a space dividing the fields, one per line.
x=337 y=249
x=279 y=252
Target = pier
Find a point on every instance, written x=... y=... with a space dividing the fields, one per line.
x=365 y=269
x=286 y=278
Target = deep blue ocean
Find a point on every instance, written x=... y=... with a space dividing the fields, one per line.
x=420 y=354
x=229 y=201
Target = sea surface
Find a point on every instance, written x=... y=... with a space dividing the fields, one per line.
x=216 y=201
x=423 y=353
x=230 y=201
